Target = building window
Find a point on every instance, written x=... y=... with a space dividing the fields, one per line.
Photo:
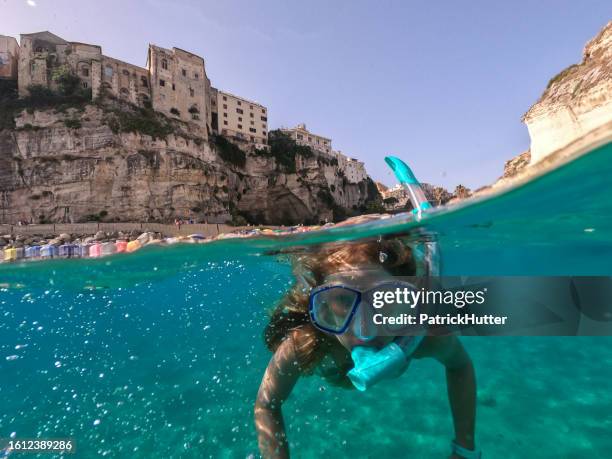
x=224 y=115
x=164 y=64
x=300 y=136
x=252 y=139
x=39 y=49
x=252 y=116
x=239 y=103
x=310 y=139
x=225 y=122
x=124 y=92
x=240 y=126
x=144 y=82
x=264 y=118
x=263 y=133
x=239 y=110
x=173 y=87
x=263 y=110
x=85 y=84
x=184 y=72
x=252 y=129
x=196 y=76
x=195 y=112
x=108 y=71
x=224 y=97
x=85 y=71
x=317 y=141
x=263 y=126
x=251 y=107
x=252 y=123
x=125 y=72
x=225 y=106
x=192 y=93
x=240 y=118
x=162 y=82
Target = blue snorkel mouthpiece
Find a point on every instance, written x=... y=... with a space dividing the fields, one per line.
x=373 y=366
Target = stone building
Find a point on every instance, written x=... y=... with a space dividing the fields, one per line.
x=239 y=118
x=125 y=81
x=179 y=85
x=9 y=58
x=353 y=169
x=303 y=136
x=174 y=82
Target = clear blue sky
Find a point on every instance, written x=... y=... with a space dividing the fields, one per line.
x=441 y=84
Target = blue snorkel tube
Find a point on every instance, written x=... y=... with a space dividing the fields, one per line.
x=374 y=365
x=411 y=185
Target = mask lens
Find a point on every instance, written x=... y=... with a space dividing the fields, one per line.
x=331 y=308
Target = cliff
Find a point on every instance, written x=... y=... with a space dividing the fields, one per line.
x=114 y=162
x=576 y=101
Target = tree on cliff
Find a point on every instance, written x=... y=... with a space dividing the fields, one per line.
x=441 y=196
x=462 y=192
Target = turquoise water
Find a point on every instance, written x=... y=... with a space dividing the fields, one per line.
x=159 y=354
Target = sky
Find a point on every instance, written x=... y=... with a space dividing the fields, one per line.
x=441 y=84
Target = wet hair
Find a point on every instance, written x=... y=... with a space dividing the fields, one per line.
x=290 y=318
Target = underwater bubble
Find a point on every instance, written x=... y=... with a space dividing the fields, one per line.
x=96 y=422
x=12 y=357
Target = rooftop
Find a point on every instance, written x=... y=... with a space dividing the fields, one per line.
x=239 y=97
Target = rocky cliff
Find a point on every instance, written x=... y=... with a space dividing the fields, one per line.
x=575 y=102
x=107 y=162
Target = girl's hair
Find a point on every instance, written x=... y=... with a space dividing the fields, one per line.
x=290 y=318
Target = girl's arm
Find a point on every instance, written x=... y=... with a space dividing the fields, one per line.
x=460 y=382
x=278 y=381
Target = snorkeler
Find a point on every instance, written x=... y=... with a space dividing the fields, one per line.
x=318 y=328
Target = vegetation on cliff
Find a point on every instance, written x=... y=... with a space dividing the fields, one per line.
x=284 y=150
x=138 y=120
x=39 y=97
x=229 y=152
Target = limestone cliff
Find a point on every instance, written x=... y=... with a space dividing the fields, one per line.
x=79 y=164
x=575 y=102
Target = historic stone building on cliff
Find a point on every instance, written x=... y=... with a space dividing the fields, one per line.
x=353 y=170
x=9 y=55
x=239 y=118
x=174 y=81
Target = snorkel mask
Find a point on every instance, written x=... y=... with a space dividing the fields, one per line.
x=344 y=303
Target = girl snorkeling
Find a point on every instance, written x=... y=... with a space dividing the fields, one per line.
x=318 y=327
